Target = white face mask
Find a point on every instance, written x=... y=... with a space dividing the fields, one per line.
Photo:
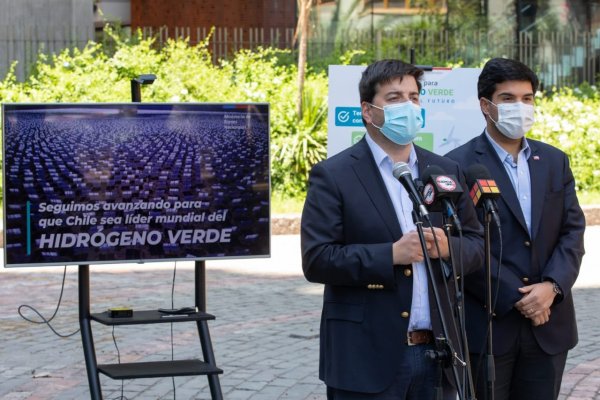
x=514 y=119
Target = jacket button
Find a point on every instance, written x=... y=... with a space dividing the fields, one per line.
x=404 y=314
x=527 y=243
x=525 y=279
x=407 y=272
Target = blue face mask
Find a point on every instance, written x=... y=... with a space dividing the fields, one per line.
x=402 y=121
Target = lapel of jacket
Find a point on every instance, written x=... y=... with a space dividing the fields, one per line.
x=486 y=155
x=537 y=170
x=424 y=160
x=368 y=174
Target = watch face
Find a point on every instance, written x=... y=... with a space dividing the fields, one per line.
x=556 y=288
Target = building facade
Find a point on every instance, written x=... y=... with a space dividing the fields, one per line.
x=219 y=13
x=28 y=27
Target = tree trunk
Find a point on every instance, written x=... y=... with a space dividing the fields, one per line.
x=302 y=31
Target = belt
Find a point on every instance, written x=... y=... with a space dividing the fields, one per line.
x=419 y=337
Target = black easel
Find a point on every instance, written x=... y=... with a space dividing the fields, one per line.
x=148 y=369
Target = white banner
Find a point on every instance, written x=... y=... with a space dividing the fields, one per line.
x=448 y=97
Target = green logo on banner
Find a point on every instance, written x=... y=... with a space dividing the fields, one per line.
x=424 y=140
x=357 y=135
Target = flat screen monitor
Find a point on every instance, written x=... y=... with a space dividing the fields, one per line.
x=114 y=183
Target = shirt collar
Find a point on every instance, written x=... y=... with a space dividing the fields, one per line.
x=382 y=157
x=503 y=154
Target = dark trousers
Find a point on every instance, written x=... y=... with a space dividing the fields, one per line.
x=525 y=372
x=417 y=383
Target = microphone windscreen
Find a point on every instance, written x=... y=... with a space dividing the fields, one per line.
x=475 y=172
x=431 y=170
x=400 y=169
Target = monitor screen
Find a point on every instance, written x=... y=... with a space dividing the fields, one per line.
x=110 y=183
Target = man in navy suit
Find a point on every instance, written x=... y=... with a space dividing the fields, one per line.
x=541 y=245
x=358 y=238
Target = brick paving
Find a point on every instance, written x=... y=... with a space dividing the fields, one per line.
x=265 y=335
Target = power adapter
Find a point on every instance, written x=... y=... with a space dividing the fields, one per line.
x=120 y=312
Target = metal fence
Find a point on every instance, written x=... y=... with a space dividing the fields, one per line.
x=24 y=44
x=560 y=58
x=224 y=42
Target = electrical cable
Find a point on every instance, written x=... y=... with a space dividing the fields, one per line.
x=172 y=343
x=499 y=268
x=447 y=293
x=123 y=397
x=43 y=319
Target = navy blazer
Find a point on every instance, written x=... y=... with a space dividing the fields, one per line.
x=553 y=251
x=347 y=231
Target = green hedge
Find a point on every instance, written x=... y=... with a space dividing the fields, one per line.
x=570 y=120
x=186 y=73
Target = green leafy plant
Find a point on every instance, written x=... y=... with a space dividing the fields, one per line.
x=295 y=153
x=186 y=73
x=568 y=119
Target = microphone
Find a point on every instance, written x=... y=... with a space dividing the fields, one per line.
x=401 y=171
x=484 y=190
x=441 y=192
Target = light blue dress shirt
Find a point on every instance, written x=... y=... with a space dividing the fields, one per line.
x=518 y=172
x=420 y=317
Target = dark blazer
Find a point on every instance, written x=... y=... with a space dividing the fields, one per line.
x=552 y=252
x=348 y=228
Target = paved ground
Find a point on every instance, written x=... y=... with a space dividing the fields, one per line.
x=265 y=335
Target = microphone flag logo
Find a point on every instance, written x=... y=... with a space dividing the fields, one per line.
x=445 y=183
x=484 y=187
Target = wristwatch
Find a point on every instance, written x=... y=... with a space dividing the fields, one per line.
x=556 y=288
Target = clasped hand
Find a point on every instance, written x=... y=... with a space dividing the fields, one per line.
x=536 y=301
x=408 y=249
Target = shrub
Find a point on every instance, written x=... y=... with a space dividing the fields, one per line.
x=186 y=73
x=568 y=119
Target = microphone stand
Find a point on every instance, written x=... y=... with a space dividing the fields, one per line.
x=489 y=357
x=467 y=378
x=444 y=353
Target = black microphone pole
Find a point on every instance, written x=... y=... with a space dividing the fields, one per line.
x=446 y=355
x=483 y=192
x=439 y=192
x=450 y=220
x=467 y=378
x=489 y=356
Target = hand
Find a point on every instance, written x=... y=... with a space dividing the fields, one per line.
x=537 y=299
x=541 y=319
x=442 y=243
x=408 y=249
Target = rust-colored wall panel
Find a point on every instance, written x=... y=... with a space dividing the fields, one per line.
x=220 y=13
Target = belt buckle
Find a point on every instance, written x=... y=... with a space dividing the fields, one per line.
x=409 y=339
x=420 y=336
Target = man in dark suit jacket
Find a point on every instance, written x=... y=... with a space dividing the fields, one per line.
x=358 y=238
x=541 y=245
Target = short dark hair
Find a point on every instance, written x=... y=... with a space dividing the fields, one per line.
x=498 y=70
x=385 y=71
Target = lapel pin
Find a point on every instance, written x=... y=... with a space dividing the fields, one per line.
x=536 y=158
